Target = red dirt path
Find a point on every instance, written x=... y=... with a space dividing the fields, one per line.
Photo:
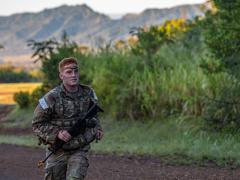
x=19 y=163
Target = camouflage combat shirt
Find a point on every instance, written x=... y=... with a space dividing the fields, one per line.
x=60 y=110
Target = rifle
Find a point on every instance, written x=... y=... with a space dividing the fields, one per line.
x=77 y=129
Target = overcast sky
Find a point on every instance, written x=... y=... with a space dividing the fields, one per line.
x=9 y=7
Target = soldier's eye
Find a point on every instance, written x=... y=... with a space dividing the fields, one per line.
x=76 y=70
x=69 y=72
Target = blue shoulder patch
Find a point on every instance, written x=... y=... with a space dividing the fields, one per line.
x=43 y=103
x=94 y=95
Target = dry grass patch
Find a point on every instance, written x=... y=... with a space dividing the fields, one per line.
x=7 y=90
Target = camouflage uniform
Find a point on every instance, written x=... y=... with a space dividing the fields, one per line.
x=60 y=110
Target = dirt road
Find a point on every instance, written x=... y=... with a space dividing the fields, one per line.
x=19 y=163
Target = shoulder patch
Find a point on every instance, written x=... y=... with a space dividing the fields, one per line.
x=94 y=95
x=43 y=103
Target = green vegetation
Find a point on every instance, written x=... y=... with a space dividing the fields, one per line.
x=153 y=38
x=18 y=140
x=178 y=138
x=7 y=90
x=11 y=74
x=19 y=118
x=222 y=34
x=22 y=99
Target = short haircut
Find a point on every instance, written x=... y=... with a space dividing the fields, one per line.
x=66 y=61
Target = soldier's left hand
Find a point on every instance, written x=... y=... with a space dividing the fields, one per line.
x=64 y=135
x=99 y=134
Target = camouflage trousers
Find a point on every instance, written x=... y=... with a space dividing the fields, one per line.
x=70 y=165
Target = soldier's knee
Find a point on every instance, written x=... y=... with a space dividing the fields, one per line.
x=77 y=168
x=49 y=174
x=56 y=172
x=77 y=174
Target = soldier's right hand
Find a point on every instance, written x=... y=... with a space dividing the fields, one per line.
x=64 y=135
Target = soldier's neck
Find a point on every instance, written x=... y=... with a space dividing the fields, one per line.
x=71 y=89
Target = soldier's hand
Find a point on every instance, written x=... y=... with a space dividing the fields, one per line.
x=99 y=134
x=64 y=135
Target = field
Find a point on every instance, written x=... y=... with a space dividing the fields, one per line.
x=7 y=90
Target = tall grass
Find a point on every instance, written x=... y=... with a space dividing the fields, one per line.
x=134 y=87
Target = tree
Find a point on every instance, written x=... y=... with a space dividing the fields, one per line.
x=150 y=40
x=221 y=31
x=222 y=27
x=50 y=53
x=42 y=49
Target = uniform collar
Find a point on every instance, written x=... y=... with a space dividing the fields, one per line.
x=80 y=92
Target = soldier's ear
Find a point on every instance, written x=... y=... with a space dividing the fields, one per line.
x=60 y=75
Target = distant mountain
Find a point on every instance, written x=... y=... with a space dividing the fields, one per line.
x=82 y=24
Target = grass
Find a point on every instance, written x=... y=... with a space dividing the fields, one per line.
x=19 y=118
x=7 y=90
x=19 y=140
x=178 y=140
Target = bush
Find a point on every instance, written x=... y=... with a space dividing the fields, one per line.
x=37 y=94
x=22 y=99
x=222 y=33
x=222 y=111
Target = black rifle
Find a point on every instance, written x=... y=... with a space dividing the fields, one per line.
x=77 y=129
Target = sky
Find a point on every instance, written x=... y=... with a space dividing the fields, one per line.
x=9 y=7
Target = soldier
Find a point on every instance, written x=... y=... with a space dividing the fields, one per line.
x=57 y=112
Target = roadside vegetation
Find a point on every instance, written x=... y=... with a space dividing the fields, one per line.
x=12 y=74
x=7 y=90
x=169 y=90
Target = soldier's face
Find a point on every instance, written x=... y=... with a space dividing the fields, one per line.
x=70 y=75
